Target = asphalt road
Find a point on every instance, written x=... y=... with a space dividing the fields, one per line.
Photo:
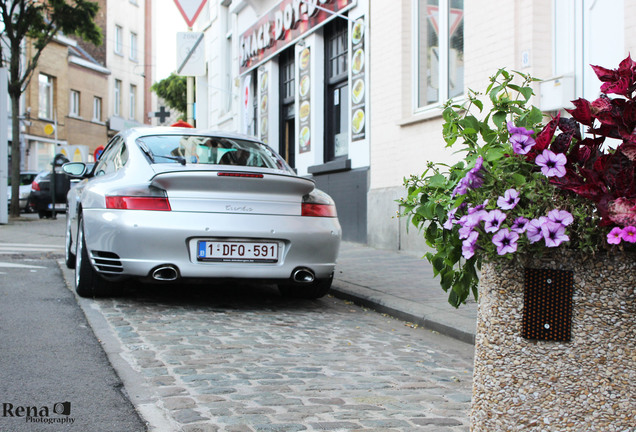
x=54 y=374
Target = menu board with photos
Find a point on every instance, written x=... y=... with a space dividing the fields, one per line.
x=358 y=99
x=304 y=86
x=263 y=86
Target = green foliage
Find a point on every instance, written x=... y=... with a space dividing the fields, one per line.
x=173 y=90
x=432 y=196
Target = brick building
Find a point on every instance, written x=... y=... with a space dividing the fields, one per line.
x=64 y=104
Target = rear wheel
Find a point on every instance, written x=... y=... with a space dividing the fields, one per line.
x=316 y=289
x=87 y=282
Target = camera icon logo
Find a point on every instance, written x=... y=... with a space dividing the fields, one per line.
x=62 y=408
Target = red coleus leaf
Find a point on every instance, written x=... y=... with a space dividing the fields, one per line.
x=622 y=211
x=545 y=136
x=604 y=74
x=620 y=87
x=582 y=112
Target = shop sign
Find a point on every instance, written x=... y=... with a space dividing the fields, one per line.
x=282 y=25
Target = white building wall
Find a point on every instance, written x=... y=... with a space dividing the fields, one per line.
x=129 y=16
x=497 y=34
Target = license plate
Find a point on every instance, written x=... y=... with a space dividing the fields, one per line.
x=248 y=252
x=58 y=206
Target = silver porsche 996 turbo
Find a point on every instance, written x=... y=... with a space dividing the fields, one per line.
x=167 y=204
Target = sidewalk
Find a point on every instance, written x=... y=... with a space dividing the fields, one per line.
x=401 y=285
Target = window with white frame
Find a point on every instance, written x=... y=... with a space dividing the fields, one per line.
x=133 y=102
x=97 y=109
x=74 y=104
x=119 y=40
x=133 y=46
x=45 y=108
x=438 y=51
x=117 y=99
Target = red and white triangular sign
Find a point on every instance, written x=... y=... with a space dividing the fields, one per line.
x=454 y=19
x=190 y=9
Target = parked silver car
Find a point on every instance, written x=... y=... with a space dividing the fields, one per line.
x=170 y=203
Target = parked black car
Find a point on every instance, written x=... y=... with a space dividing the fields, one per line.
x=40 y=199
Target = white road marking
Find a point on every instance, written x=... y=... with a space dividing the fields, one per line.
x=25 y=266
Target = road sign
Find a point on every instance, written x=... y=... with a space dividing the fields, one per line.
x=190 y=54
x=190 y=9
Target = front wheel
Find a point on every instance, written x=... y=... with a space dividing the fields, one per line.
x=87 y=282
x=314 y=290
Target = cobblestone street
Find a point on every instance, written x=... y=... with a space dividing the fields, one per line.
x=241 y=358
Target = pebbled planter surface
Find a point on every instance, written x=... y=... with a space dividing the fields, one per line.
x=587 y=384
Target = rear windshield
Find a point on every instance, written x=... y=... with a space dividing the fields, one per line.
x=192 y=149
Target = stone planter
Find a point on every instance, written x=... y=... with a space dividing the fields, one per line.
x=586 y=384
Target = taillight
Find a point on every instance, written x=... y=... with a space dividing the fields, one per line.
x=318 y=210
x=35 y=186
x=137 y=203
x=142 y=198
x=318 y=204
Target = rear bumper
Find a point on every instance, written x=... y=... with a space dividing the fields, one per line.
x=144 y=240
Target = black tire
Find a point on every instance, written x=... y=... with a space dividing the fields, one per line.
x=87 y=282
x=69 y=256
x=318 y=288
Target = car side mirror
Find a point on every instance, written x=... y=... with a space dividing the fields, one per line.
x=74 y=169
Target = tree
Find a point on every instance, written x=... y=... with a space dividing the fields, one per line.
x=37 y=22
x=173 y=90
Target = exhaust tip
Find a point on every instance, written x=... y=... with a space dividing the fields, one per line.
x=303 y=275
x=165 y=273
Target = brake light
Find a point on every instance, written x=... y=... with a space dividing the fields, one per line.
x=137 y=203
x=238 y=174
x=318 y=210
x=318 y=204
x=35 y=186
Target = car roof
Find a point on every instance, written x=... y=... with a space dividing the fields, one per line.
x=139 y=132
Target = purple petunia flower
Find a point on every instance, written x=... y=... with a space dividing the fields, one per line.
x=553 y=233
x=520 y=138
x=450 y=219
x=533 y=229
x=552 y=164
x=629 y=234
x=614 y=236
x=472 y=180
x=493 y=220
x=469 y=245
x=480 y=207
x=561 y=216
x=509 y=200
x=519 y=225
x=521 y=144
x=506 y=241
x=514 y=130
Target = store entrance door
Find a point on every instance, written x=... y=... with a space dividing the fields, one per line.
x=287 y=144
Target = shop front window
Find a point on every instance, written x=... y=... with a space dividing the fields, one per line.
x=439 y=56
x=337 y=88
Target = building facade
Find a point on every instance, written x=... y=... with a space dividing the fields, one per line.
x=126 y=45
x=63 y=105
x=437 y=49
x=351 y=92
x=294 y=75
